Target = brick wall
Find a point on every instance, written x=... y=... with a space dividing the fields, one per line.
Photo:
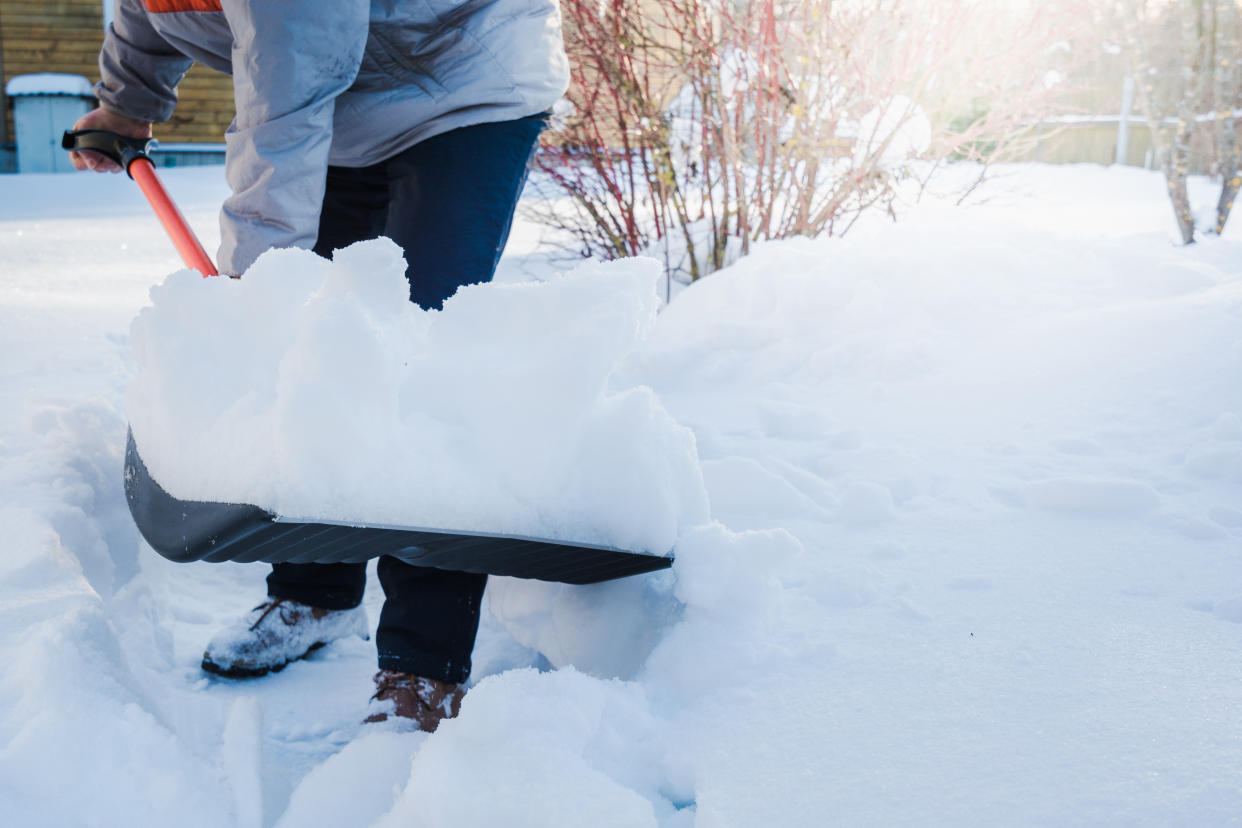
x=65 y=35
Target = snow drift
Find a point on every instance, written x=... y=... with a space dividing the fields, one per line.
x=980 y=473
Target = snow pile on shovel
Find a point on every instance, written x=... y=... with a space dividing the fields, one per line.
x=315 y=389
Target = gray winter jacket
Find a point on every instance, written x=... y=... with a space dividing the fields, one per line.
x=319 y=82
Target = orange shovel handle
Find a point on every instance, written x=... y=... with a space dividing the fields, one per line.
x=131 y=154
x=188 y=245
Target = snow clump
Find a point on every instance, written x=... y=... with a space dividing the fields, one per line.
x=316 y=389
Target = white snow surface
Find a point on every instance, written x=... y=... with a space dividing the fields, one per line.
x=971 y=556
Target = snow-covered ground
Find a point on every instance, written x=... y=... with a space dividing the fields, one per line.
x=977 y=558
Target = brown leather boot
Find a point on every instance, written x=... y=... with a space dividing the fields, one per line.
x=424 y=701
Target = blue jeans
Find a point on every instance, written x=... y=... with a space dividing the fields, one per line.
x=449 y=203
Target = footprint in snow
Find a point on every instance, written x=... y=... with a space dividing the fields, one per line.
x=1077 y=447
x=1215 y=461
x=1092 y=497
x=1228 y=610
x=975 y=583
x=866 y=504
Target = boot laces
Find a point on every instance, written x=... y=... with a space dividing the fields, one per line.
x=267 y=607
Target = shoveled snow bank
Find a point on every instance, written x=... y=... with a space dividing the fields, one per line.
x=316 y=389
x=81 y=742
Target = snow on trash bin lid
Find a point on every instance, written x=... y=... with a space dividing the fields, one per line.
x=48 y=83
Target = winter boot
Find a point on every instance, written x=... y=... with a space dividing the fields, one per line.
x=277 y=632
x=424 y=701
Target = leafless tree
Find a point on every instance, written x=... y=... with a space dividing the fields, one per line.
x=1185 y=54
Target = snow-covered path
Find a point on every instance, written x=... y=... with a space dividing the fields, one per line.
x=979 y=476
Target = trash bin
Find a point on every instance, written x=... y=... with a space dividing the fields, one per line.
x=44 y=106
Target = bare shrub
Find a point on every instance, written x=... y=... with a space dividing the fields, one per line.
x=697 y=127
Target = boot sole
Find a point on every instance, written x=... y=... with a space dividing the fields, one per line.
x=255 y=672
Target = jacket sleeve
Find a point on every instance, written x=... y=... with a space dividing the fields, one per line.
x=139 y=71
x=291 y=59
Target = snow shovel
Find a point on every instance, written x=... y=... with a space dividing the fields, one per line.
x=193 y=530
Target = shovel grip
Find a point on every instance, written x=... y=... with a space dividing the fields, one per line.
x=117 y=148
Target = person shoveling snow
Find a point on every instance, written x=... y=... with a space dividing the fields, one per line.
x=352 y=122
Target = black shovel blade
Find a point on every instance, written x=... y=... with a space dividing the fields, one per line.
x=195 y=530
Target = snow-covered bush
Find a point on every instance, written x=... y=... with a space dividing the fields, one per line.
x=693 y=128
